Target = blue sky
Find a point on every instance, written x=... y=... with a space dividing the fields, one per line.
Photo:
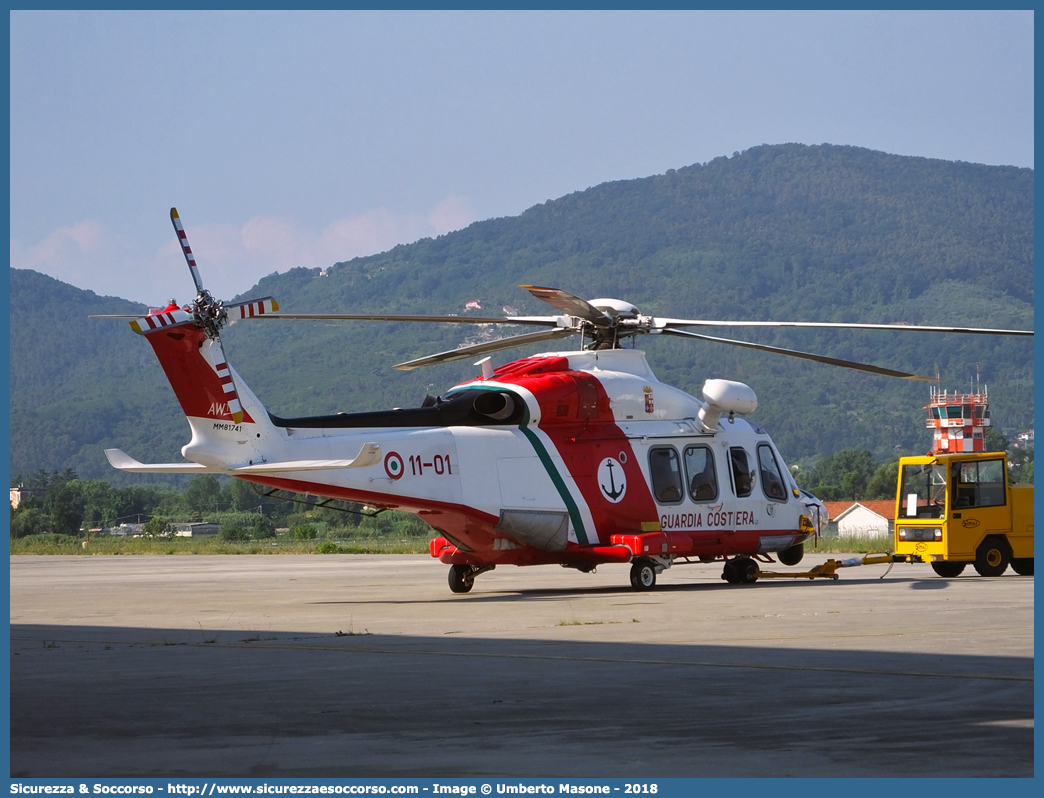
x=304 y=138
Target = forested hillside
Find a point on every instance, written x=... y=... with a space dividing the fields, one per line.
x=787 y=232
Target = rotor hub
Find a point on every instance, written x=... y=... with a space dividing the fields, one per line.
x=209 y=314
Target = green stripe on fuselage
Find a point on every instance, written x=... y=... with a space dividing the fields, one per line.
x=552 y=471
x=563 y=489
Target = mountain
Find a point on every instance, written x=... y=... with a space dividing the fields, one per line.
x=785 y=232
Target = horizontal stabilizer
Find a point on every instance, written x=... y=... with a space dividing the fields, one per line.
x=157 y=321
x=123 y=461
x=370 y=454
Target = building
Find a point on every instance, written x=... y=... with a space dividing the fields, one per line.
x=958 y=421
x=20 y=494
x=195 y=530
x=865 y=518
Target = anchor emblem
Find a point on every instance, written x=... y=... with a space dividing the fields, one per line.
x=606 y=474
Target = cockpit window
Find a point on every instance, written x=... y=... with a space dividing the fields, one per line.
x=771 y=478
x=742 y=473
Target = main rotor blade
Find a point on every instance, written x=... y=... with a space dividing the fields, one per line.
x=187 y=250
x=660 y=323
x=831 y=361
x=482 y=349
x=539 y=321
x=569 y=304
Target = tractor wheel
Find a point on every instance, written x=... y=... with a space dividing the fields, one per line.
x=1023 y=566
x=461 y=578
x=993 y=556
x=947 y=568
x=793 y=555
x=643 y=575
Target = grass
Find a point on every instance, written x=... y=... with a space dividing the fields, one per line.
x=857 y=544
x=61 y=544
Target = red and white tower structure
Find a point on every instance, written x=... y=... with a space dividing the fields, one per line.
x=959 y=421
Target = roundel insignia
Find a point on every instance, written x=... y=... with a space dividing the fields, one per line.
x=393 y=465
x=611 y=480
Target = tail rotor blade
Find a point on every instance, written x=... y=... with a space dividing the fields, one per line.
x=228 y=384
x=185 y=248
x=252 y=308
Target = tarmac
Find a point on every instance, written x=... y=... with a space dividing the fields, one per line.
x=367 y=666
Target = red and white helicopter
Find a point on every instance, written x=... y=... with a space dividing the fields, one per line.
x=573 y=458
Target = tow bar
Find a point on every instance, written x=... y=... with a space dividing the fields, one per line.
x=829 y=569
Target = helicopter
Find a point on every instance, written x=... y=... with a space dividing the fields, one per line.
x=576 y=458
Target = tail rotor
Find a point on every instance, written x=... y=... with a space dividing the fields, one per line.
x=210 y=315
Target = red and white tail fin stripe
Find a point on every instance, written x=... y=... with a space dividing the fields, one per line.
x=201 y=378
x=159 y=320
x=252 y=308
x=183 y=240
x=231 y=397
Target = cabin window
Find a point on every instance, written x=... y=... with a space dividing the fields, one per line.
x=771 y=478
x=742 y=473
x=978 y=483
x=699 y=470
x=666 y=474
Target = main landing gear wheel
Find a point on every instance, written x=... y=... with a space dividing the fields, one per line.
x=992 y=556
x=643 y=575
x=948 y=570
x=1023 y=566
x=461 y=578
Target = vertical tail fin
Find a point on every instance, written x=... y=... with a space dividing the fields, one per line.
x=196 y=369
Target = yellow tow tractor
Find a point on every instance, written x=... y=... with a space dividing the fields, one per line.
x=951 y=510
x=955 y=509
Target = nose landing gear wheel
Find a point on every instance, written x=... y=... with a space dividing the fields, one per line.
x=643 y=576
x=740 y=571
x=461 y=578
x=793 y=555
x=748 y=571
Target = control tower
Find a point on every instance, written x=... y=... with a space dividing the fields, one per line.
x=958 y=420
